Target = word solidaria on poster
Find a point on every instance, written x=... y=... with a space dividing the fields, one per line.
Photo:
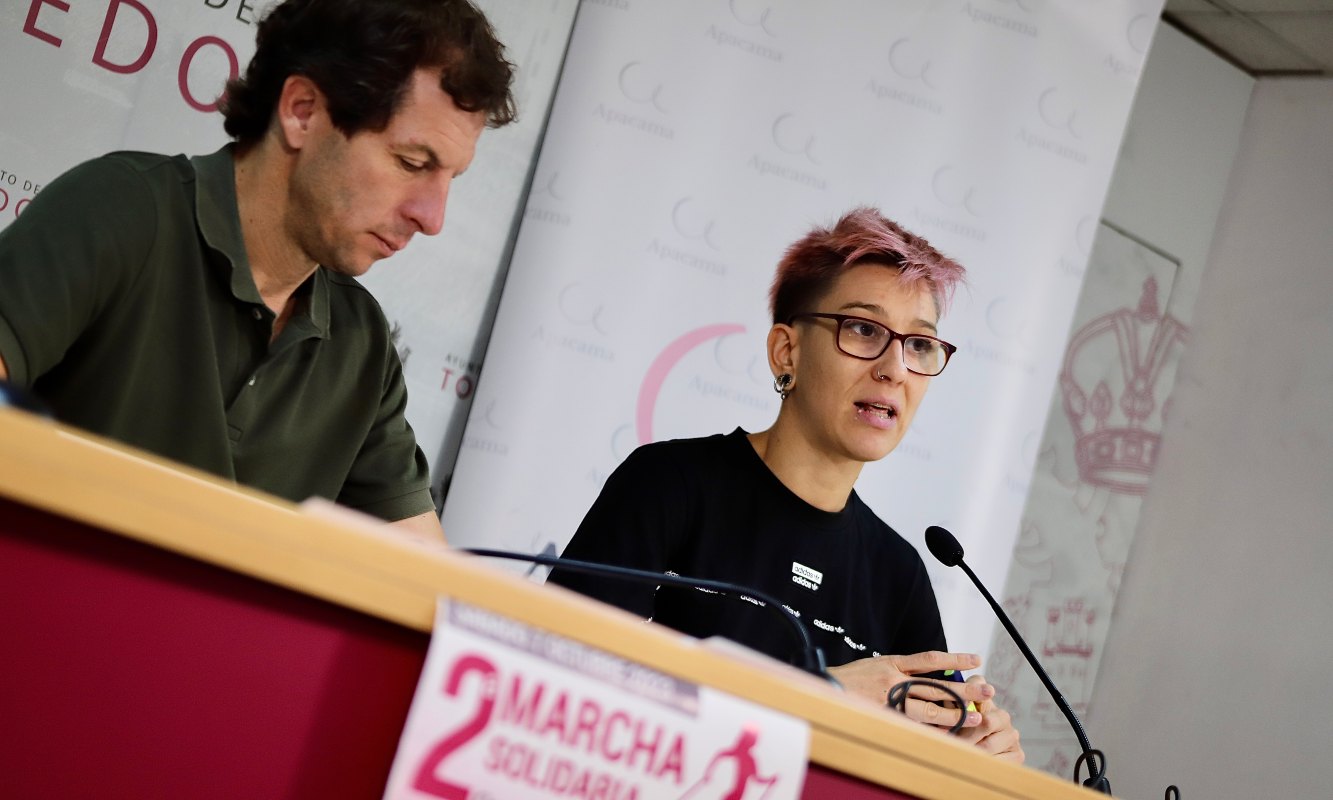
x=134 y=27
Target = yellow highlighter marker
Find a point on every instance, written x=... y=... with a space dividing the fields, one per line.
x=957 y=677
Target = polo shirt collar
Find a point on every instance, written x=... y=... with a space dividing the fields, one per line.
x=218 y=217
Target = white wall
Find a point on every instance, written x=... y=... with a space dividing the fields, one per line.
x=1183 y=136
x=1217 y=652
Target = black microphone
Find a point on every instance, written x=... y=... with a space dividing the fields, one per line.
x=946 y=548
x=812 y=655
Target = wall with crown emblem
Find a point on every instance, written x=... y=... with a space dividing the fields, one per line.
x=1218 y=647
x=1096 y=461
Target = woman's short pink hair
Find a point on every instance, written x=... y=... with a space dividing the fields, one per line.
x=863 y=236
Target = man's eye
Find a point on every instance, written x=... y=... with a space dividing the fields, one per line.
x=410 y=165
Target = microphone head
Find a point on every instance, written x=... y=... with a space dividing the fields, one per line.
x=944 y=546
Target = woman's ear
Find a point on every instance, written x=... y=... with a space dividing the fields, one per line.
x=783 y=349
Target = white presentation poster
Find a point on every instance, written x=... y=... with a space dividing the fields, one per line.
x=692 y=141
x=505 y=711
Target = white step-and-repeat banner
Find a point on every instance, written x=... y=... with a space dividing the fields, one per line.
x=691 y=142
x=85 y=77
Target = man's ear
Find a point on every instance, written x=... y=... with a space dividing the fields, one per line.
x=784 y=349
x=301 y=107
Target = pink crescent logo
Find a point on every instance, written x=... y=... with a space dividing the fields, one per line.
x=662 y=366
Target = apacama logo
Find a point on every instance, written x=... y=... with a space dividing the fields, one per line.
x=661 y=367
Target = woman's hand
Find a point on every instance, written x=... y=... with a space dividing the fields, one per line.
x=872 y=678
x=996 y=734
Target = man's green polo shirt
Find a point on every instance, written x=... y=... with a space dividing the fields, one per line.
x=128 y=305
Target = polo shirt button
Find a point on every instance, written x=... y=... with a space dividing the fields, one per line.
x=251 y=382
x=257 y=314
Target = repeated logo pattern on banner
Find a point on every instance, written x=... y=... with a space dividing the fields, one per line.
x=1096 y=459
x=691 y=142
x=506 y=711
x=86 y=78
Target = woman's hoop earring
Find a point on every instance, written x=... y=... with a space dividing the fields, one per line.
x=782 y=385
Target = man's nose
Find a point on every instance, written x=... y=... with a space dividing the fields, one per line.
x=425 y=208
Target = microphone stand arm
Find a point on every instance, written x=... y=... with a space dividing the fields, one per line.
x=1041 y=673
x=812 y=655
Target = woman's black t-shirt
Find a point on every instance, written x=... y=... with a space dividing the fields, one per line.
x=710 y=508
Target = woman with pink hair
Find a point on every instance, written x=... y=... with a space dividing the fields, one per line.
x=853 y=348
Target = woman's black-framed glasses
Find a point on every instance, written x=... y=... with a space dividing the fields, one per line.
x=867 y=339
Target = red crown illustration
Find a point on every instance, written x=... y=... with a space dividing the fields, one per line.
x=1115 y=385
x=1069 y=629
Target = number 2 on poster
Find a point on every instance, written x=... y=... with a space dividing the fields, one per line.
x=426 y=779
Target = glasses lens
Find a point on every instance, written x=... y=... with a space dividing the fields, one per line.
x=862 y=338
x=923 y=355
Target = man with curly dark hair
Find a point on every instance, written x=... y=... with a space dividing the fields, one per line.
x=206 y=308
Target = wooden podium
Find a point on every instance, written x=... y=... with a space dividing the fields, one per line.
x=166 y=635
